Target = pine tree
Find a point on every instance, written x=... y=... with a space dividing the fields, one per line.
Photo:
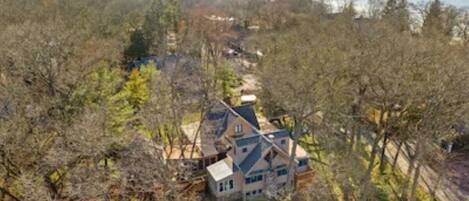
x=138 y=47
x=136 y=90
x=396 y=13
x=99 y=87
x=149 y=72
x=152 y=27
x=101 y=92
x=227 y=81
x=120 y=112
x=162 y=19
x=433 y=23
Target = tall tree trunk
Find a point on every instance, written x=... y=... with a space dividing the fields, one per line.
x=169 y=137
x=433 y=190
x=352 y=139
x=412 y=160
x=441 y=171
x=356 y=109
x=396 y=156
x=383 y=153
x=347 y=190
x=415 y=182
x=371 y=165
x=197 y=132
x=291 y=165
x=374 y=151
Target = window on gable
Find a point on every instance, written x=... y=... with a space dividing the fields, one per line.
x=245 y=150
x=283 y=142
x=238 y=128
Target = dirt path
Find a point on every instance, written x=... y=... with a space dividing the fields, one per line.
x=250 y=83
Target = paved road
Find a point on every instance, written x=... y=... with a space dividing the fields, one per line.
x=446 y=191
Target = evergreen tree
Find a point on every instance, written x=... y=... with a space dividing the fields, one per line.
x=227 y=80
x=162 y=19
x=433 y=23
x=99 y=87
x=396 y=13
x=101 y=92
x=120 y=112
x=138 y=47
x=136 y=90
x=153 y=28
x=149 y=72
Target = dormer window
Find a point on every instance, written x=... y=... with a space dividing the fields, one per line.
x=238 y=128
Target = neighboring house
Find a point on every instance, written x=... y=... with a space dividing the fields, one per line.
x=243 y=156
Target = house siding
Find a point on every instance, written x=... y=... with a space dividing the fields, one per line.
x=252 y=162
x=246 y=131
x=240 y=156
x=215 y=187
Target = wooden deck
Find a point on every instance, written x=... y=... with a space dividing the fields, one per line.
x=197 y=185
x=304 y=179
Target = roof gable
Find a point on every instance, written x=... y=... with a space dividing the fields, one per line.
x=247 y=112
x=251 y=159
x=255 y=155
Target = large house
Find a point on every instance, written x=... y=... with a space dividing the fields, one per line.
x=243 y=156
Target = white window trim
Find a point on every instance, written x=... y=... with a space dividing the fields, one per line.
x=238 y=128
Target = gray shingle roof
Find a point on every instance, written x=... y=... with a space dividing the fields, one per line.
x=248 y=113
x=217 y=119
x=279 y=134
x=251 y=159
x=247 y=141
x=255 y=154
